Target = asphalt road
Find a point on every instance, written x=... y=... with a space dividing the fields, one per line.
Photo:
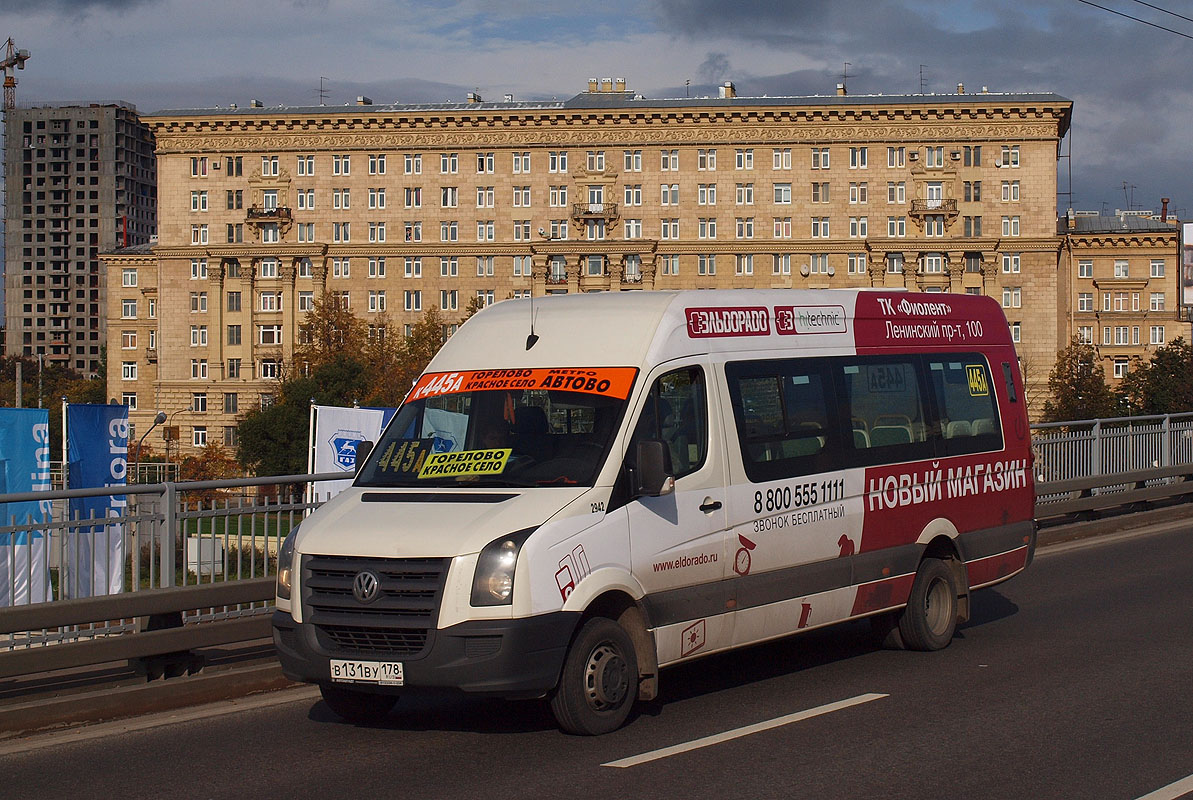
x=1074 y=680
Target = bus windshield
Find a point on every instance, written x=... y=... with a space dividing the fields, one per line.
x=511 y=428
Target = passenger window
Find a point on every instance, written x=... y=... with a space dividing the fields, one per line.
x=968 y=412
x=781 y=410
x=676 y=413
x=887 y=415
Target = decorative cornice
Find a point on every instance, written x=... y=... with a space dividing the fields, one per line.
x=208 y=138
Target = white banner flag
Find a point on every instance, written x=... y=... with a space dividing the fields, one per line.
x=337 y=431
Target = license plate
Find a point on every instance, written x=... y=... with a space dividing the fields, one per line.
x=382 y=673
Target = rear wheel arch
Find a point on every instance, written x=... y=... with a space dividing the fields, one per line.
x=945 y=548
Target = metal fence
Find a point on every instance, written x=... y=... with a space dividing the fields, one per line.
x=173 y=535
x=1100 y=447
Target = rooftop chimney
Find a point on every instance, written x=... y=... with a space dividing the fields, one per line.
x=1164 y=209
x=619 y=85
x=361 y=100
x=606 y=84
x=593 y=84
x=256 y=104
x=1070 y=220
x=474 y=97
x=960 y=88
x=509 y=98
x=840 y=90
x=728 y=90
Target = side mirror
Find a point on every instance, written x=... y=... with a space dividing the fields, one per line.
x=652 y=476
x=363 y=448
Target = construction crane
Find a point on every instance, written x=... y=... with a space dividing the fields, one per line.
x=12 y=58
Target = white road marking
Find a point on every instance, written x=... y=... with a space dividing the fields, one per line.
x=737 y=733
x=1172 y=791
x=118 y=727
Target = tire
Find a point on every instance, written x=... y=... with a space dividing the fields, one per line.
x=930 y=619
x=599 y=682
x=353 y=705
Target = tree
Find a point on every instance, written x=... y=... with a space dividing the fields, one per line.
x=1078 y=386
x=212 y=464
x=1164 y=385
x=396 y=363
x=330 y=330
x=273 y=439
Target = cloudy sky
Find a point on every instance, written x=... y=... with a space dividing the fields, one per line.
x=1129 y=81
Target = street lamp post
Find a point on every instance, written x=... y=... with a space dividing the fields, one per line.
x=157 y=420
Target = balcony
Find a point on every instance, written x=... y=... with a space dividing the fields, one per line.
x=151 y=355
x=262 y=214
x=585 y=211
x=557 y=278
x=934 y=206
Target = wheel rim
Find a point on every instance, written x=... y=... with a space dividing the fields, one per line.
x=938 y=602
x=606 y=683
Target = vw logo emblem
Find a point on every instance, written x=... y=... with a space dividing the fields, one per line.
x=366 y=587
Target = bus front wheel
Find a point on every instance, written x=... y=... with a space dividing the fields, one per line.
x=599 y=682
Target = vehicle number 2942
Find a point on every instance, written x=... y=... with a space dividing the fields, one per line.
x=781 y=498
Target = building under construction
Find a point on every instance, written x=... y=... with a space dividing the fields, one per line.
x=80 y=180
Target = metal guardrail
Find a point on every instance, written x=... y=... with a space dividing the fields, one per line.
x=208 y=600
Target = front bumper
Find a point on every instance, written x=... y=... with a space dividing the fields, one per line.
x=507 y=658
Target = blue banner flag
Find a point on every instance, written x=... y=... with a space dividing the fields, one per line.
x=24 y=467
x=97 y=452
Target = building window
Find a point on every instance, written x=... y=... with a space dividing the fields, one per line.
x=820 y=227
x=934 y=225
x=269 y=334
x=1122 y=268
x=129 y=399
x=128 y=309
x=1010 y=156
x=781 y=264
x=1085 y=268
x=783 y=193
x=234 y=334
x=858 y=227
x=707 y=228
x=269 y=166
x=896 y=227
x=669 y=160
x=485 y=266
x=306 y=302
x=1157 y=268
x=894 y=263
x=857 y=158
x=745 y=264
x=933 y=263
x=670 y=229
x=200 y=436
x=973 y=227
x=596 y=161
x=377 y=267
x=1085 y=334
x=128 y=370
x=485 y=230
x=820 y=192
x=896 y=157
x=1085 y=301
x=412 y=163
x=198 y=336
x=1012 y=297
x=859 y=193
x=377 y=300
x=1157 y=336
x=820 y=158
x=745 y=227
x=1157 y=301
x=706 y=194
x=973 y=156
x=557 y=161
x=270 y=368
x=128 y=340
x=341 y=198
x=412 y=267
x=633 y=160
x=706 y=265
x=818 y=264
x=934 y=157
x=782 y=228
x=669 y=264
x=857 y=264
x=633 y=229
x=744 y=158
x=199 y=402
x=781 y=158
x=1010 y=263
x=1010 y=191
x=269 y=268
x=1121 y=367
x=199 y=368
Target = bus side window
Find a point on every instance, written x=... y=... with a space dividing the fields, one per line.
x=782 y=414
x=965 y=400
x=676 y=413
x=888 y=422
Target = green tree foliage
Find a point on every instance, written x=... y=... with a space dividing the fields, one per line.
x=1164 y=385
x=1078 y=387
x=57 y=382
x=330 y=330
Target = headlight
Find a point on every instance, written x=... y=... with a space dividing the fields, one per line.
x=286 y=565
x=493 y=584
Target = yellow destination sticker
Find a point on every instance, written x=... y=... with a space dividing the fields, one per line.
x=465 y=462
x=978 y=386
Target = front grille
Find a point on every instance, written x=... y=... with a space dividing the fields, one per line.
x=397 y=623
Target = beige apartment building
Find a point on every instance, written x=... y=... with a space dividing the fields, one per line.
x=399 y=208
x=1123 y=290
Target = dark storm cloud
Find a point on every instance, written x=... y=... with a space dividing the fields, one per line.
x=1129 y=118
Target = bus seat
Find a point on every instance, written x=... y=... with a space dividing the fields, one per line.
x=884 y=435
x=983 y=426
x=958 y=427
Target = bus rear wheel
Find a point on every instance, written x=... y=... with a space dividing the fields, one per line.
x=930 y=618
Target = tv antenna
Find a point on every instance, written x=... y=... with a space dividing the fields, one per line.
x=322 y=91
x=845 y=78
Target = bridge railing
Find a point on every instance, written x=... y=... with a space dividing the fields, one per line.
x=200 y=558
